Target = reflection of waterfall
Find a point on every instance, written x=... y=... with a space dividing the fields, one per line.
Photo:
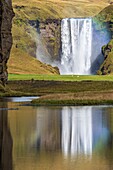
x=81 y=130
x=77 y=130
x=73 y=130
x=76 y=46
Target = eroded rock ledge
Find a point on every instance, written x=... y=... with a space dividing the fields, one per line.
x=6 y=15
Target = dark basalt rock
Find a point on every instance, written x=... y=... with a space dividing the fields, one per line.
x=6 y=15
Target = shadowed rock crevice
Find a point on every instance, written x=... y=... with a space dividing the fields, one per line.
x=6 y=15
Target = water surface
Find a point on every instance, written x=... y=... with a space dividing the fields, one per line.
x=62 y=138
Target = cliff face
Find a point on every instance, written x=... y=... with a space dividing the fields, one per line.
x=6 y=15
x=50 y=33
x=105 y=17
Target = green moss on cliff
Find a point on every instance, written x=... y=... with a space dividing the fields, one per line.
x=107 y=65
x=104 y=19
x=106 y=14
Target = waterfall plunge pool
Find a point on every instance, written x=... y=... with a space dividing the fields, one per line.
x=61 y=138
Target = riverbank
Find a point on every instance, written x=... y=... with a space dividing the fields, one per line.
x=78 y=98
x=84 y=92
x=41 y=87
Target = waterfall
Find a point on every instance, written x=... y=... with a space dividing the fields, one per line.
x=80 y=48
x=76 y=38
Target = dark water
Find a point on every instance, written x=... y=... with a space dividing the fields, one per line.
x=60 y=138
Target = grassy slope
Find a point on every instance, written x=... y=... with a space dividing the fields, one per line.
x=25 y=64
x=59 y=8
x=23 y=37
x=21 y=60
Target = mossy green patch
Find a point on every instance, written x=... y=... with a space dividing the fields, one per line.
x=107 y=65
x=104 y=21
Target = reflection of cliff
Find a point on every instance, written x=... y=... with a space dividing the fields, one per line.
x=48 y=129
x=5 y=142
x=74 y=130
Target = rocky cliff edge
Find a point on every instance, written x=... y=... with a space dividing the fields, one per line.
x=6 y=15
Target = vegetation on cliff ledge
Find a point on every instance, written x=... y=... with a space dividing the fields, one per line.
x=107 y=65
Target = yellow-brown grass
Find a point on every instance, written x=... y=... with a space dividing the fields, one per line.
x=22 y=63
x=80 y=96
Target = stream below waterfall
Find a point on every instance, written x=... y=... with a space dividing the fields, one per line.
x=60 y=138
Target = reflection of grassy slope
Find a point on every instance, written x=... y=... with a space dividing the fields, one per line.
x=31 y=10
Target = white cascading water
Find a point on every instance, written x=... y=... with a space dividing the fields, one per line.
x=76 y=38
